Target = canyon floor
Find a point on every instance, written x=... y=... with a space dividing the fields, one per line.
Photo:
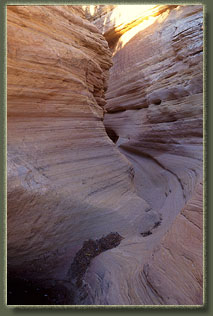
x=105 y=155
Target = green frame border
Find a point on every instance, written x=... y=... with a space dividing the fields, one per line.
x=207 y=308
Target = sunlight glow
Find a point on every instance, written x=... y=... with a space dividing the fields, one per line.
x=140 y=22
x=124 y=13
x=125 y=21
x=92 y=9
x=123 y=17
x=126 y=37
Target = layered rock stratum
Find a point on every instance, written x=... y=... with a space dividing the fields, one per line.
x=85 y=161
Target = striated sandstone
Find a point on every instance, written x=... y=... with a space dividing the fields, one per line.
x=68 y=182
x=154 y=115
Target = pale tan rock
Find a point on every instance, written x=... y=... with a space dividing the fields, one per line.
x=154 y=115
x=175 y=271
x=68 y=182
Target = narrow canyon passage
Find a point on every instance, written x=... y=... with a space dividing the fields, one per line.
x=105 y=155
x=149 y=117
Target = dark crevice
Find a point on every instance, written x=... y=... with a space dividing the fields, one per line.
x=118 y=110
x=157 y=224
x=112 y=135
x=145 y=234
x=157 y=102
x=196 y=53
x=23 y=291
x=149 y=232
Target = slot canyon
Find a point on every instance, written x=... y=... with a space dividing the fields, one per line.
x=105 y=155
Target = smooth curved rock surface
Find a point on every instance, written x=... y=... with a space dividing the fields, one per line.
x=69 y=182
x=154 y=115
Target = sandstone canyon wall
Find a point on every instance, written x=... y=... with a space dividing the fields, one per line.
x=69 y=182
x=154 y=115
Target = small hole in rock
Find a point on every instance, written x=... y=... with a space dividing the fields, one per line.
x=112 y=135
x=157 y=102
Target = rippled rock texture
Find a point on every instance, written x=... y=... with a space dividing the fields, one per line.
x=154 y=116
x=84 y=163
